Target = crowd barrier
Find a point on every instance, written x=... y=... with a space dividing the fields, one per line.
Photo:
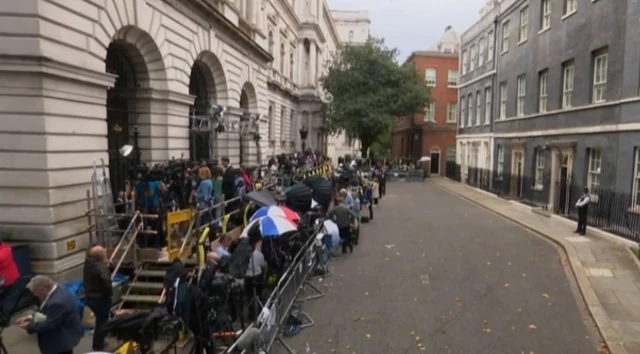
x=287 y=297
x=405 y=176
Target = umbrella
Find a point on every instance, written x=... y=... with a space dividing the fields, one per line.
x=279 y=211
x=424 y=159
x=331 y=228
x=262 y=198
x=311 y=180
x=298 y=198
x=322 y=192
x=270 y=226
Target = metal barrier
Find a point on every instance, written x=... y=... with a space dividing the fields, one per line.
x=285 y=297
x=405 y=176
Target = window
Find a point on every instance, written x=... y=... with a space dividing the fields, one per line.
x=481 y=48
x=351 y=35
x=452 y=110
x=271 y=44
x=522 y=92
x=545 y=22
x=271 y=127
x=478 y=107
x=487 y=105
x=539 y=174
x=505 y=37
x=500 y=166
x=430 y=112
x=451 y=153
x=283 y=55
x=542 y=83
x=293 y=130
x=452 y=78
x=472 y=61
x=491 y=40
x=570 y=6
x=568 y=71
x=503 y=100
x=470 y=109
x=283 y=124
x=463 y=111
x=600 y=77
x=636 y=180
x=524 y=24
x=291 y=65
x=465 y=58
x=593 y=178
x=430 y=77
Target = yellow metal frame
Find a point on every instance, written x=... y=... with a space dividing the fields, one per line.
x=177 y=217
x=202 y=252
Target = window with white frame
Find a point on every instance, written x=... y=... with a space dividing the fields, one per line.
x=472 y=61
x=593 y=177
x=539 y=173
x=503 y=100
x=470 y=110
x=545 y=21
x=451 y=153
x=430 y=112
x=524 y=24
x=481 y=48
x=600 y=63
x=465 y=59
x=452 y=111
x=463 y=111
x=430 y=77
x=522 y=92
x=500 y=166
x=452 y=78
x=542 y=83
x=636 y=181
x=487 y=105
x=568 y=75
x=570 y=6
x=478 y=107
x=491 y=40
x=505 y=37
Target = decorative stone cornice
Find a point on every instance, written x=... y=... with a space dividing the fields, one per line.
x=50 y=67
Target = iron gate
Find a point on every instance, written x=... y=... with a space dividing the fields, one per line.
x=199 y=140
x=121 y=115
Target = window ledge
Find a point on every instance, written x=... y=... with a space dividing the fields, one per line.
x=599 y=102
x=504 y=52
x=566 y=16
x=487 y=123
x=523 y=41
x=544 y=30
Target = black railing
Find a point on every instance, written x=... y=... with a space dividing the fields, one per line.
x=609 y=210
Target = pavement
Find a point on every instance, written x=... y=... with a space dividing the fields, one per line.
x=606 y=272
x=435 y=273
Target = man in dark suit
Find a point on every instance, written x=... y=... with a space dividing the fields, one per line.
x=228 y=181
x=98 y=290
x=57 y=323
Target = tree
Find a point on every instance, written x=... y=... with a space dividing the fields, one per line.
x=369 y=90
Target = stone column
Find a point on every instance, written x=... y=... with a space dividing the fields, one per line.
x=252 y=11
x=313 y=64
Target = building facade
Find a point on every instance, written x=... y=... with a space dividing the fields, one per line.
x=570 y=114
x=433 y=132
x=476 y=91
x=81 y=81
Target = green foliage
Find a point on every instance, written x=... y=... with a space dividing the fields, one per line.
x=370 y=90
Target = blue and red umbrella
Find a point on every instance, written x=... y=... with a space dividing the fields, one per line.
x=276 y=211
x=270 y=226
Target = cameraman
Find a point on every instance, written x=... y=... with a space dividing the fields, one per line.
x=148 y=199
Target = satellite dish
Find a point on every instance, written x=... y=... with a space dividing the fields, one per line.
x=126 y=150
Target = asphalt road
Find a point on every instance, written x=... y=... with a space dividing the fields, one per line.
x=434 y=273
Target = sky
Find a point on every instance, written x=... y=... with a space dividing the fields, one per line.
x=412 y=25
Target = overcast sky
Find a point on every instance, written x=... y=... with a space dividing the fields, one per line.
x=411 y=25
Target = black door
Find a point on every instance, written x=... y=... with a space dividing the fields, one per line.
x=519 y=180
x=562 y=201
x=435 y=163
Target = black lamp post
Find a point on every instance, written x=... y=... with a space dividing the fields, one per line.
x=303 y=136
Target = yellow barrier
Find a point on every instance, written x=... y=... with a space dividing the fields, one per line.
x=202 y=252
x=178 y=224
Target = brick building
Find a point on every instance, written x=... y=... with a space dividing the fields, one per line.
x=433 y=131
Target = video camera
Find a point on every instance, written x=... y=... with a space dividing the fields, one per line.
x=158 y=172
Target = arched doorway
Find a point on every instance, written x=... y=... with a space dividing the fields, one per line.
x=121 y=112
x=200 y=125
x=246 y=118
x=435 y=160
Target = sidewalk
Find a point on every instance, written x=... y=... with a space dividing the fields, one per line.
x=608 y=276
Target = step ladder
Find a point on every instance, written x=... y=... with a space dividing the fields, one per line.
x=103 y=203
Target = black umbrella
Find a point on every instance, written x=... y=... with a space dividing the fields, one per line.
x=298 y=198
x=311 y=180
x=322 y=192
x=261 y=198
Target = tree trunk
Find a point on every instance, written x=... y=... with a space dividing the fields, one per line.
x=365 y=149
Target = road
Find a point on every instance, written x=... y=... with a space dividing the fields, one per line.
x=434 y=273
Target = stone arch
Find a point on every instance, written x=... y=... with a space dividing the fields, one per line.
x=144 y=55
x=435 y=149
x=249 y=98
x=215 y=76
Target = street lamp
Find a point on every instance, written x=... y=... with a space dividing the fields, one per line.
x=303 y=136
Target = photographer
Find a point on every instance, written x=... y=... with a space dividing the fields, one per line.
x=254 y=281
x=148 y=201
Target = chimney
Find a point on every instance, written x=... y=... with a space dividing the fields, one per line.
x=447 y=29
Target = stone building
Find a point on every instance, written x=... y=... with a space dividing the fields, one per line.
x=433 y=132
x=81 y=79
